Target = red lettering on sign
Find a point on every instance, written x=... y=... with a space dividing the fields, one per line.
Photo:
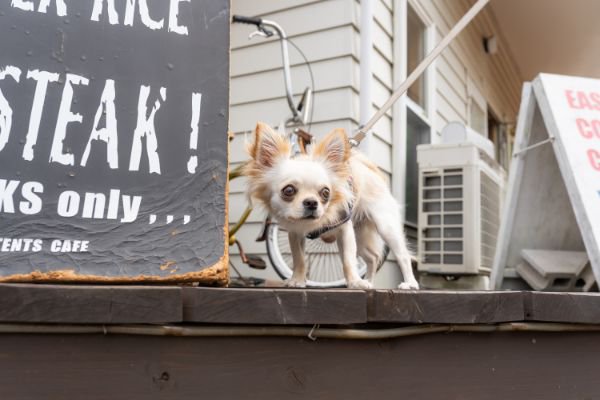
x=581 y=100
x=570 y=99
x=584 y=101
x=594 y=157
x=596 y=127
x=584 y=128
x=596 y=100
x=588 y=129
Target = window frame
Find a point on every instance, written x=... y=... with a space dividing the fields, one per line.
x=475 y=96
x=401 y=107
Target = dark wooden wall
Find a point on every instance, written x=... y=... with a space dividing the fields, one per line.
x=437 y=366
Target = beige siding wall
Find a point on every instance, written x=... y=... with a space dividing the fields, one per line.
x=329 y=34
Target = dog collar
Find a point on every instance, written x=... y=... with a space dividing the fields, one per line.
x=345 y=217
x=318 y=232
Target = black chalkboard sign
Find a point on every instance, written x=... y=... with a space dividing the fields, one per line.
x=113 y=139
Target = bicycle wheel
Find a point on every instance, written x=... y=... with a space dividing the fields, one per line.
x=322 y=259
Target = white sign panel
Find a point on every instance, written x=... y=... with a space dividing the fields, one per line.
x=571 y=109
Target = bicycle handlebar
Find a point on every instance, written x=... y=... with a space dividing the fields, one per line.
x=247 y=20
x=262 y=24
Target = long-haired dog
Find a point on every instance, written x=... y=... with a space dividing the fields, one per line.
x=333 y=191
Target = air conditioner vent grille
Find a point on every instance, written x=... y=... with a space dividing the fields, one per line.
x=490 y=218
x=443 y=201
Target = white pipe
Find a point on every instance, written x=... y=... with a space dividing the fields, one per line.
x=366 y=70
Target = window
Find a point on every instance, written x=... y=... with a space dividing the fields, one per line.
x=415 y=37
x=500 y=134
x=417 y=132
x=418 y=108
x=478 y=120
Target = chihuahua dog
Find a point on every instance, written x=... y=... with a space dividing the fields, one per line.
x=332 y=192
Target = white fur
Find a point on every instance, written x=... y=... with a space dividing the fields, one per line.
x=375 y=213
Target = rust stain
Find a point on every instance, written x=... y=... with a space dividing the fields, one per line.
x=216 y=275
x=166 y=265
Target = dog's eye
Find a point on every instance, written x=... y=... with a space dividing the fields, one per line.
x=325 y=193
x=288 y=191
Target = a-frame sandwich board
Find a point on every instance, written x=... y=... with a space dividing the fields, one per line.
x=553 y=195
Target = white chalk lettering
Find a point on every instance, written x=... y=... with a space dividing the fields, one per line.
x=113 y=204
x=144 y=15
x=22 y=4
x=33 y=203
x=113 y=17
x=65 y=116
x=55 y=246
x=37 y=245
x=93 y=205
x=5 y=108
x=69 y=246
x=173 y=18
x=145 y=128
x=20 y=244
x=7 y=191
x=42 y=79
x=68 y=204
x=131 y=207
x=108 y=134
x=196 y=102
x=61 y=7
x=16 y=245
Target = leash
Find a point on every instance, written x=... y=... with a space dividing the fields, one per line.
x=464 y=21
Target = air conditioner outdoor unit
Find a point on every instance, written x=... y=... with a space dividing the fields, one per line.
x=460 y=200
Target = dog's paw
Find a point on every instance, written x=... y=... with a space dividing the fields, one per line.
x=409 y=286
x=295 y=283
x=360 y=284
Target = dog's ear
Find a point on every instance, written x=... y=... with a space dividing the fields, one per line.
x=334 y=148
x=268 y=147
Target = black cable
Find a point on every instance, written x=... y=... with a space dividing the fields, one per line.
x=312 y=82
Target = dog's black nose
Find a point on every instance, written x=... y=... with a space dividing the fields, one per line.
x=310 y=204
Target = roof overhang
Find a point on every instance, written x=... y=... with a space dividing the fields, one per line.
x=553 y=36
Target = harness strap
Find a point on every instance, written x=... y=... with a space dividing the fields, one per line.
x=345 y=217
x=318 y=232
